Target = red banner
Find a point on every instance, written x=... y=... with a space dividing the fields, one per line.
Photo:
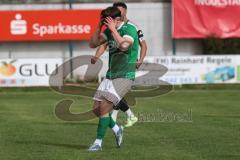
x=48 y=25
x=206 y=18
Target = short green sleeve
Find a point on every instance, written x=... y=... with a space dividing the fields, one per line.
x=130 y=32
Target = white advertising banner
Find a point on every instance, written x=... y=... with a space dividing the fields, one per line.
x=199 y=69
x=194 y=69
x=27 y=72
x=181 y=70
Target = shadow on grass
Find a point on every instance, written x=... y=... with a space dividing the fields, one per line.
x=73 y=146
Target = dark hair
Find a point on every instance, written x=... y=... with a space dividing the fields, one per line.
x=112 y=12
x=120 y=4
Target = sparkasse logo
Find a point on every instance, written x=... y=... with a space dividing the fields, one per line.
x=48 y=25
x=18 y=25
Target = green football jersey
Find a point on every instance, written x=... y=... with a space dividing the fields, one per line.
x=122 y=64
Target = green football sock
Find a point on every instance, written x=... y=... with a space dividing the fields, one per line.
x=102 y=127
x=112 y=122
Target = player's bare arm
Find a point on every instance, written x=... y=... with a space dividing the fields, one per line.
x=97 y=39
x=143 y=53
x=100 y=50
x=123 y=42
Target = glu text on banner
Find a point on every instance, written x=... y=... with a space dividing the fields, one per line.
x=28 y=72
x=48 y=25
x=206 y=18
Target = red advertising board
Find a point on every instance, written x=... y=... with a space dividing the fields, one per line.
x=45 y=25
x=206 y=18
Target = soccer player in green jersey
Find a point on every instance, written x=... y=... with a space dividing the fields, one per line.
x=122 y=40
x=123 y=106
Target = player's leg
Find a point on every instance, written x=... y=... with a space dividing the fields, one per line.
x=121 y=87
x=114 y=113
x=97 y=145
x=103 y=124
x=117 y=88
x=109 y=92
x=131 y=118
x=121 y=105
x=106 y=108
x=103 y=120
x=102 y=110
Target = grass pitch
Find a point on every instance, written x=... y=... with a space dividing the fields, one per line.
x=186 y=124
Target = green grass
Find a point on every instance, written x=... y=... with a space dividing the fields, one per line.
x=29 y=129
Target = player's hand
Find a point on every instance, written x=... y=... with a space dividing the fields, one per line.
x=94 y=60
x=109 y=22
x=139 y=63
